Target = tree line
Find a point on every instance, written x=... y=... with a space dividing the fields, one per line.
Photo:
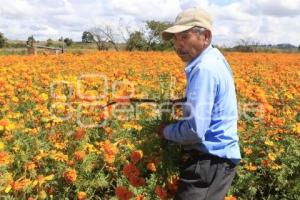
x=148 y=38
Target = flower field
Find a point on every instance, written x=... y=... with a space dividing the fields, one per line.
x=72 y=125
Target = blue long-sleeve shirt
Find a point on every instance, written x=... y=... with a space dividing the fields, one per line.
x=210 y=113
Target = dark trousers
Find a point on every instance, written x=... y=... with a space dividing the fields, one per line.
x=204 y=177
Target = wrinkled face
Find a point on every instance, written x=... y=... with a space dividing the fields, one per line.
x=189 y=44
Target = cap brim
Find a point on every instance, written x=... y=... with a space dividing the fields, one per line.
x=168 y=33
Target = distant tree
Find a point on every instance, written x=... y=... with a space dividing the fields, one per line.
x=299 y=47
x=68 y=41
x=136 y=41
x=87 y=37
x=104 y=36
x=61 y=39
x=30 y=41
x=153 y=32
x=247 y=45
x=49 y=42
x=2 y=40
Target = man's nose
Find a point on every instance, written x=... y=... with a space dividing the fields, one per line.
x=177 y=44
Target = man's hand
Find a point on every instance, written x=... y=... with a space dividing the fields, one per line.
x=160 y=130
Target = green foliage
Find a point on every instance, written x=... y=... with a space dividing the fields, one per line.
x=87 y=37
x=136 y=41
x=49 y=42
x=154 y=40
x=68 y=41
x=30 y=40
x=276 y=179
x=2 y=40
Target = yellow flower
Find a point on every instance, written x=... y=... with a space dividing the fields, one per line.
x=269 y=143
x=2 y=145
x=250 y=167
x=272 y=156
x=297 y=128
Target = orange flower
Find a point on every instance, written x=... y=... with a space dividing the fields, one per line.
x=20 y=184
x=81 y=196
x=151 y=167
x=161 y=192
x=136 y=156
x=250 y=167
x=30 y=166
x=108 y=130
x=230 y=198
x=4 y=158
x=3 y=123
x=139 y=197
x=70 y=163
x=266 y=163
x=79 y=155
x=109 y=151
x=172 y=184
x=123 y=193
x=131 y=170
x=70 y=176
x=79 y=134
x=136 y=181
x=248 y=151
x=279 y=122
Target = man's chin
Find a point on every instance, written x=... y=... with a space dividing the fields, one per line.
x=184 y=58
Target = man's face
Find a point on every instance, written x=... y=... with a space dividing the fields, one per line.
x=190 y=43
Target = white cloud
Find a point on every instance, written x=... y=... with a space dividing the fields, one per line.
x=278 y=8
x=266 y=21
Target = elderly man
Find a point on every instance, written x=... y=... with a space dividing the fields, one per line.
x=208 y=133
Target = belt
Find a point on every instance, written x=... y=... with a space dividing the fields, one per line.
x=195 y=154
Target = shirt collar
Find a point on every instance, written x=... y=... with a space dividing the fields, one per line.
x=190 y=65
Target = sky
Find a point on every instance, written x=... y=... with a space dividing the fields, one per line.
x=262 y=21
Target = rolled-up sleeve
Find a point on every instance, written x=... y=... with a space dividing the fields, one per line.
x=201 y=92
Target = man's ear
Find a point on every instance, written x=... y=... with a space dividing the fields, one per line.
x=207 y=36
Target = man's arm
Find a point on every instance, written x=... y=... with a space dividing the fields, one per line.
x=200 y=98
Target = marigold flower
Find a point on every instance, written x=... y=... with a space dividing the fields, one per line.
x=70 y=176
x=20 y=184
x=230 y=198
x=140 y=197
x=3 y=123
x=123 y=193
x=2 y=146
x=136 y=181
x=250 y=167
x=81 y=195
x=42 y=195
x=248 y=151
x=272 y=156
x=109 y=151
x=30 y=166
x=136 y=156
x=79 y=155
x=151 y=167
x=172 y=184
x=269 y=143
x=4 y=158
x=161 y=192
x=79 y=134
x=131 y=170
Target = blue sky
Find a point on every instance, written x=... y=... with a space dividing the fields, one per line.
x=263 y=21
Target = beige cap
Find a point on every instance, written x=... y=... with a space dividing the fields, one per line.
x=188 y=19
